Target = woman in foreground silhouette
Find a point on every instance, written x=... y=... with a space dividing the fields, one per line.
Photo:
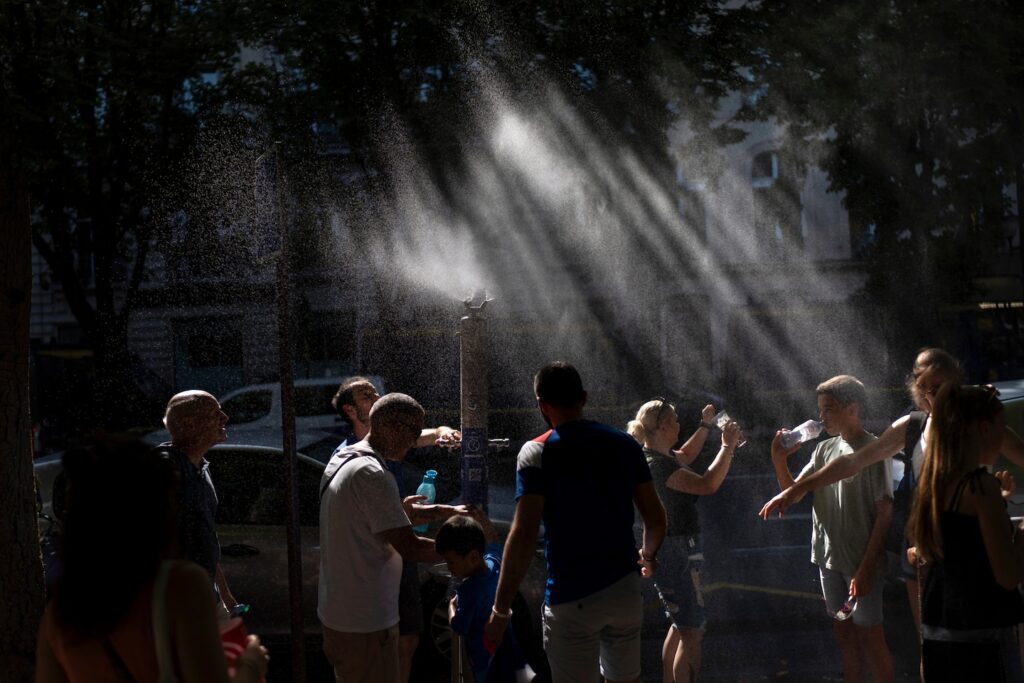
x=121 y=611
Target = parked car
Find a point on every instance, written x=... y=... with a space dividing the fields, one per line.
x=255 y=414
x=1011 y=393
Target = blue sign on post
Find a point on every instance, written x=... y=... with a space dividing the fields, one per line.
x=474 y=467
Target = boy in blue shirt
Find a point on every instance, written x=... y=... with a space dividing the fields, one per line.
x=470 y=548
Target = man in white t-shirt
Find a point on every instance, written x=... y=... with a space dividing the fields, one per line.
x=365 y=534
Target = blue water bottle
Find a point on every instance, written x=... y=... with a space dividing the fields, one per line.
x=426 y=489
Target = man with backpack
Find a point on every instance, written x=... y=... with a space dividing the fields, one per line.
x=365 y=533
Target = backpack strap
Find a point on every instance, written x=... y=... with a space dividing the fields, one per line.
x=915 y=427
x=330 y=474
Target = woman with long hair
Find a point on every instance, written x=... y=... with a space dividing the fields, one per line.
x=680 y=558
x=963 y=535
x=122 y=611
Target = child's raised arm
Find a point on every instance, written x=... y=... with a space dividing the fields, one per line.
x=490 y=533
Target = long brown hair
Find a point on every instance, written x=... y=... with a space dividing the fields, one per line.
x=953 y=450
x=933 y=359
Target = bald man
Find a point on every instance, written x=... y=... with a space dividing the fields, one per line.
x=196 y=424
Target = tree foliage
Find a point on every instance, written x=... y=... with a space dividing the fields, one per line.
x=914 y=111
x=105 y=99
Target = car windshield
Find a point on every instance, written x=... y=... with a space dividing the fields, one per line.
x=314 y=400
x=248 y=407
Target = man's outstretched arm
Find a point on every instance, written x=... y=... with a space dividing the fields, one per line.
x=842 y=467
x=519 y=549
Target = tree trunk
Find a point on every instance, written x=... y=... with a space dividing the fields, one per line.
x=21 y=567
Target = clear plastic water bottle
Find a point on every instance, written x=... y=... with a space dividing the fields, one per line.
x=429 y=491
x=847 y=610
x=805 y=432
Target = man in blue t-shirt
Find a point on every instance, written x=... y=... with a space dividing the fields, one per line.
x=582 y=479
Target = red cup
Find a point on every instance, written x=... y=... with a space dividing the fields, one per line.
x=234 y=638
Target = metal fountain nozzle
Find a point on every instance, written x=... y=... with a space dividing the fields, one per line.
x=477 y=301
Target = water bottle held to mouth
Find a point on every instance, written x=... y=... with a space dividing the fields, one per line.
x=801 y=433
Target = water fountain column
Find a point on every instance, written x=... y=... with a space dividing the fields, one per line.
x=473 y=372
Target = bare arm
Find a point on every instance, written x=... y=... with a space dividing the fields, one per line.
x=411 y=547
x=689 y=451
x=519 y=549
x=195 y=635
x=222 y=587
x=780 y=461
x=864 y=580
x=709 y=482
x=421 y=513
x=436 y=436
x=490 y=533
x=1013 y=447
x=48 y=669
x=652 y=512
x=845 y=466
x=842 y=467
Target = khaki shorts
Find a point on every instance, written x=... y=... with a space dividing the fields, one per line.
x=603 y=627
x=363 y=657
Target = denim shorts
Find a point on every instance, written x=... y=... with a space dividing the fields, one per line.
x=678 y=580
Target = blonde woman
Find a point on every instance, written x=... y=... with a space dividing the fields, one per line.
x=677 y=579
x=962 y=533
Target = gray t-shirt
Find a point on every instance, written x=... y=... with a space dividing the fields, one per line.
x=844 y=512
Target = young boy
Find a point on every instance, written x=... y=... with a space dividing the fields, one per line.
x=849 y=525
x=470 y=548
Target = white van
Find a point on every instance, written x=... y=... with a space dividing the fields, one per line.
x=255 y=413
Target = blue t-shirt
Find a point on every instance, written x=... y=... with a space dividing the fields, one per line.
x=473 y=600
x=588 y=473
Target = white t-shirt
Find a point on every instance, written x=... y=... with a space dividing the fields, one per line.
x=359 y=572
x=917 y=459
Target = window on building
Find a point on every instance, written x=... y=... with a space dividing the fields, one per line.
x=777 y=209
x=765 y=169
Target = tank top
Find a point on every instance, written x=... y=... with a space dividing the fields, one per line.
x=961 y=591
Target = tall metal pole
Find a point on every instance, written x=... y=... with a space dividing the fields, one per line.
x=290 y=464
x=473 y=367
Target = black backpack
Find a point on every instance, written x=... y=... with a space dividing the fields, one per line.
x=903 y=495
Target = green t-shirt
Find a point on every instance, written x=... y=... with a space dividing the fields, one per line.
x=844 y=512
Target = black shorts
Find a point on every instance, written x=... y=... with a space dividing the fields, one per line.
x=410 y=607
